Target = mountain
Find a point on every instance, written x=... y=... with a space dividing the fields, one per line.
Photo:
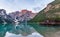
x=15 y=17
x=3 y=13
x=22 y=15
x=15 y=23
x=51 y=12
x=4 y=18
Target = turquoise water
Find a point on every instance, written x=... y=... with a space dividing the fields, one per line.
x=19 y=29
x=26 y=29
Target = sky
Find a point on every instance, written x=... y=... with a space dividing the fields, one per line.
x=16 y=5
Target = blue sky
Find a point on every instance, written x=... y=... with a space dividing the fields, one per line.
x=15 y=5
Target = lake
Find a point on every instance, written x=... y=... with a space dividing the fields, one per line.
x=29 y=30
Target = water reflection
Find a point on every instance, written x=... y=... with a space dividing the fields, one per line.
x=19 y=29
x=35 y=34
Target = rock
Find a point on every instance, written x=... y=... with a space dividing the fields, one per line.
x=21 y=16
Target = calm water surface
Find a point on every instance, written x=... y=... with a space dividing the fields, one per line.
x=26 y=30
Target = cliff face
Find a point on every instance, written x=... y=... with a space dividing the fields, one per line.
x=52 y=11
x=16 y=16
x=22 y=15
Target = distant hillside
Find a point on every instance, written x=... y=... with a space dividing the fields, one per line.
x=52 y=11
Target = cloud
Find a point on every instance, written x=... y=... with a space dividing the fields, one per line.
x=35 y=34
x=14 y=5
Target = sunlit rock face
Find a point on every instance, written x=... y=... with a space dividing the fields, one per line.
x=20 y=15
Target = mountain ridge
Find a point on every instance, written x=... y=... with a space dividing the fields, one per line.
x=52 y=12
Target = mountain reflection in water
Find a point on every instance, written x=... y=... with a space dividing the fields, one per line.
x=21 y=29
x=35 y=34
